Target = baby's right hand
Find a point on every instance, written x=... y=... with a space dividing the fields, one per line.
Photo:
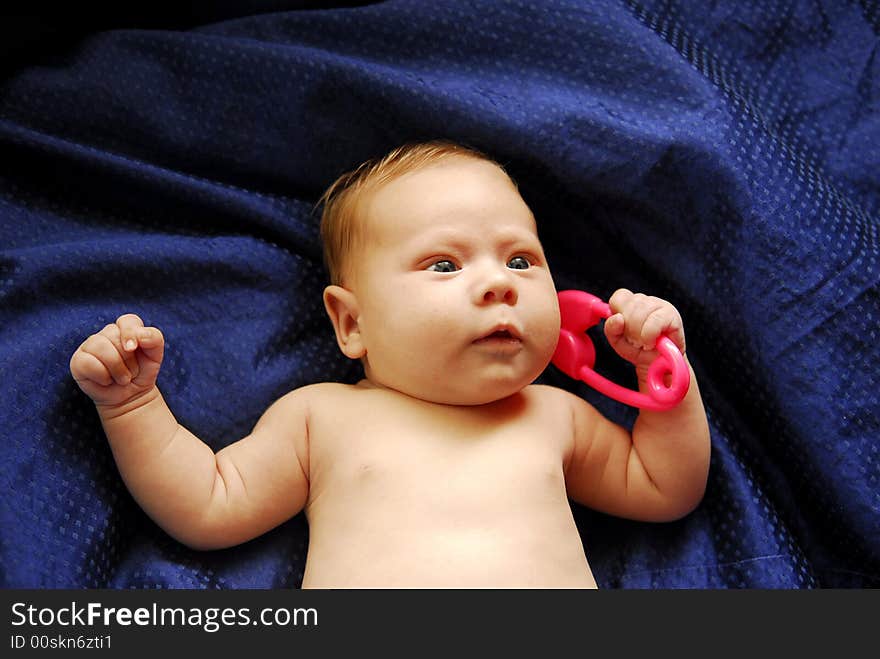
x=120 y=362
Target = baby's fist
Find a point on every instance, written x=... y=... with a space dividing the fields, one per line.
x=637 y=322
x=120 y=362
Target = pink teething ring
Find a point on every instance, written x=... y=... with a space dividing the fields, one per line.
x=575 y=356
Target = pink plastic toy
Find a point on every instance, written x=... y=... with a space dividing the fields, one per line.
x=575 y=356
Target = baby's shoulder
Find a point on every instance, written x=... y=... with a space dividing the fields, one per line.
x=321 y=393
x=324 y=398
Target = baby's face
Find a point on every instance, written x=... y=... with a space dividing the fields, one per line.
x=456 y=301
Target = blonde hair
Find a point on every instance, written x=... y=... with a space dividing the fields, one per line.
x=342 y=224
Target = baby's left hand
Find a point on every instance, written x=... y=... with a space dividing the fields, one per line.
x=637 y=322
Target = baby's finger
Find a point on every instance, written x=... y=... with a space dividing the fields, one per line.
x=152 y=343
x=638 y=309
x=86 y=367
x=102 y=348
x=112 y=332
x=620 y=299
x=615 y=326
x=658 y=322
x=129 y=326
x=665 y=321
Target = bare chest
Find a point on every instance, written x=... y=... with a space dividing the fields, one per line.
x=392 y=451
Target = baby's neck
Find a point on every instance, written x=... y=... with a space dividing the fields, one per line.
x=369 y=384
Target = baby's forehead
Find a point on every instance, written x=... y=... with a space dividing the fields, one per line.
x=442 y=192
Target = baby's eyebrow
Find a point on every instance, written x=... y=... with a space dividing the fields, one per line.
x=447 y=238
x=518 y=237
x=520 y=240
x=451 y=239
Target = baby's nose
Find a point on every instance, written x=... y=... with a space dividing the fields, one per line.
x=499 y=288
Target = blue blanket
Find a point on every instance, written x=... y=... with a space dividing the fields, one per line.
x=723 y=155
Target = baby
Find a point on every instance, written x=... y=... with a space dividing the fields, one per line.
x=445 y=466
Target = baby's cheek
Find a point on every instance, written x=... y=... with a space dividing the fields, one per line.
x=551 y=321
x=547 y=336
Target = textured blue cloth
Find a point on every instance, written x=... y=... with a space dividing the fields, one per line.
x=723 y=155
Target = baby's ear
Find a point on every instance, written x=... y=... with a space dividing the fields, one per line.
x=342 y=307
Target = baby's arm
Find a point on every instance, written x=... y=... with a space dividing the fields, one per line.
x=204 y=500
x=659 y=472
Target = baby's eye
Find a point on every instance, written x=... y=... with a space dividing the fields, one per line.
x=519 y=263
x=443 y=266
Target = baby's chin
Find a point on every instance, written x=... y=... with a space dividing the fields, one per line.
x=466 y=387
x=482 y=394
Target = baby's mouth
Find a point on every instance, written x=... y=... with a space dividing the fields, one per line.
x=500 y=336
